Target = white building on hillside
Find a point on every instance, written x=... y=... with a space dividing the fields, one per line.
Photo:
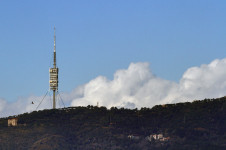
x=157 y=137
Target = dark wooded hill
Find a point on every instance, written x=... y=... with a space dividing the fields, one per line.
x=196 y=125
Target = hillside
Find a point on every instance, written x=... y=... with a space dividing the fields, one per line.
x=196 y=125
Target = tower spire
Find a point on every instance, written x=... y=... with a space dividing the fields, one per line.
x=54 y=52
x=54 y=39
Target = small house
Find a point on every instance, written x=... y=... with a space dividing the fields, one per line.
x=12 y=122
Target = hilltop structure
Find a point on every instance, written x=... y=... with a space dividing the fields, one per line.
x=12 y=122
x=53 y=81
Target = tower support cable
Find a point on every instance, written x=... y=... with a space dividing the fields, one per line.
x=42 y=100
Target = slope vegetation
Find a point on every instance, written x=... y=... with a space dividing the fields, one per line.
x=196 y=125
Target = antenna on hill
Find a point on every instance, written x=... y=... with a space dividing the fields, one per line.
x=53 y=74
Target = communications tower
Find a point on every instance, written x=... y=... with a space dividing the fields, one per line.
x=53 y=72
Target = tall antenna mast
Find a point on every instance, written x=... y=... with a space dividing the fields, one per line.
x=54 y=53
x=53 y=82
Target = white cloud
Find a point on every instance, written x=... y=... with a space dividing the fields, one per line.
x=2 y=105
x=133 y=87
x=138 y=87
x=206 y=81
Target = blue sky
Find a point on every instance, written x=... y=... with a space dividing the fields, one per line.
x=99 y=37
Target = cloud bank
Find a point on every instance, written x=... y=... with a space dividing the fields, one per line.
x=136 y=87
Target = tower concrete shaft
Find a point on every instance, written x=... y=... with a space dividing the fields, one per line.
x=54 y=100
